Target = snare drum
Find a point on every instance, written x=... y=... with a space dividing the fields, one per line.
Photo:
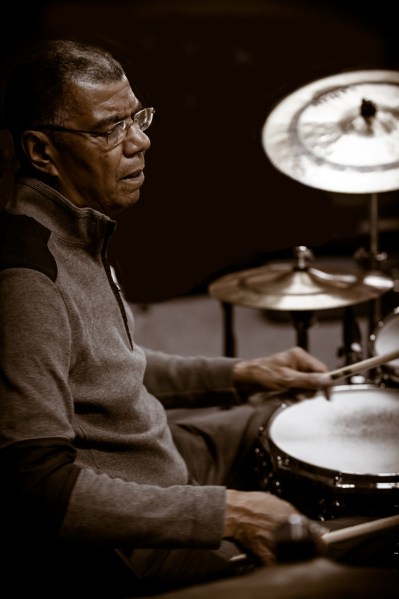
x=340 y=457
x=385 y=339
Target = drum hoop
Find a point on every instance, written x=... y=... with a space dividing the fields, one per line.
x=391 y=373
x=336 y=479
x=332 y=478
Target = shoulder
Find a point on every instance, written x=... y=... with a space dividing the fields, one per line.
x=24 y=244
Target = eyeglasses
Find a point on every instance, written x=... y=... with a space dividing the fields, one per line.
x=117 y=133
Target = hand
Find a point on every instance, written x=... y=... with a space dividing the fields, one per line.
x=252 y=519
x=291 y=369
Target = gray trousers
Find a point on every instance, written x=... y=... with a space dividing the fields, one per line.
x=217 y=445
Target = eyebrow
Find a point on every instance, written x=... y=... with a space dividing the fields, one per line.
x=112 y=120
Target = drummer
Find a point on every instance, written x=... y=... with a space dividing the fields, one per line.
x=89 y=461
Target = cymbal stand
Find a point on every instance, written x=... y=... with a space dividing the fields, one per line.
x=302 y=319
x=372 y=260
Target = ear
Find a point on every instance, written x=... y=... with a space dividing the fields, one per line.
x=39 y=151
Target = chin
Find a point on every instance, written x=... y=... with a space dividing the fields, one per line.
x=126 y=203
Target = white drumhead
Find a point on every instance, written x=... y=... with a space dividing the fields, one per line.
x=357 y=431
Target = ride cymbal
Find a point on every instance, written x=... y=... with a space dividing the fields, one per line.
x=340 y=133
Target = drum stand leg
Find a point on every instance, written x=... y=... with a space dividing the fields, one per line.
x=352 y=346
x=229 y=341
x=303 y=320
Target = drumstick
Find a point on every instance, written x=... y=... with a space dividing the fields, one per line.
x=350 y=532
x=363 y=365
x=331 y=537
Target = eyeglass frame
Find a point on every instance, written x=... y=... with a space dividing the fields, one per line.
x=106 y=134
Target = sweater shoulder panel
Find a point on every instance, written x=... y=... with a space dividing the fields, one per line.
x=24 y=244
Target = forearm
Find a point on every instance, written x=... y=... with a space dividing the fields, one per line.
x=179 y=381
x=46 y=493
x=115 y=512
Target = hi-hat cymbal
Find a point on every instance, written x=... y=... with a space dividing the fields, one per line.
x=340 y=133
x=283 y=287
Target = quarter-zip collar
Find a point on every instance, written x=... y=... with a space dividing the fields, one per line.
x=74 y=224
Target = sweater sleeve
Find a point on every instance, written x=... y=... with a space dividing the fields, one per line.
x=45 y=490
x=180 y=381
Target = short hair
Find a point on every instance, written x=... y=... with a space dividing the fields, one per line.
x=37 y=89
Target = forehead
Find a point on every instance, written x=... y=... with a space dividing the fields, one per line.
x=100 y=101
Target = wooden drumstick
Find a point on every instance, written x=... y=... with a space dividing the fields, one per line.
x=363 y=365
x=329 y=538
x=358 y=530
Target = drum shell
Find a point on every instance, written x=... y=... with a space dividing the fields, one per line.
x=323 y=492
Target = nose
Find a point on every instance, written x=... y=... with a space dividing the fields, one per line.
x=136 y=140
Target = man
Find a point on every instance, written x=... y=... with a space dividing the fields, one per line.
x=88 y=460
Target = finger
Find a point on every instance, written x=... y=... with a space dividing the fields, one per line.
x=266 y=557
x=309 y=380
x=261 y=546
x=306 y=361
x=259 y=553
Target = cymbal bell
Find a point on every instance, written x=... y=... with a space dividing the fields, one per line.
x=340 y=133
x=282 y=287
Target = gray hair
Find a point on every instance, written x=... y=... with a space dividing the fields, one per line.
x=37 y=89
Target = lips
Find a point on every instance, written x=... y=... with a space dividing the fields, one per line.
x=134 y=175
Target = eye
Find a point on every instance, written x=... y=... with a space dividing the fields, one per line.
x=116 y=133
x=144 y=118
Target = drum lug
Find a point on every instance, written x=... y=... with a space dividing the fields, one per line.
x=262 y=465
x=340 y=484
x=283 y=462
x=329 y=509
x=395 y=557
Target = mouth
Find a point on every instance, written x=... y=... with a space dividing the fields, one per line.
x=137 y=174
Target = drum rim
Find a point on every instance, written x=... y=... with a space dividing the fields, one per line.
x=337 y=479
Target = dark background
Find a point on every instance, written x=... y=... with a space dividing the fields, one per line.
x=212 y=203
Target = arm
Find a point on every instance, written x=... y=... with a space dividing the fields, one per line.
x=179 y=381
x=46 y=489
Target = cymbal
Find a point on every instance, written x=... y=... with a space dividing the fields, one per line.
x=283 y=287
x=339 y=133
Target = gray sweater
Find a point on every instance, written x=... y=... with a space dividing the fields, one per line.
x=83 y=431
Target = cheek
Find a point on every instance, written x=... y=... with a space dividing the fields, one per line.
x=82 y=168
x=94 y=173
x=103 y=174
x=107 y=168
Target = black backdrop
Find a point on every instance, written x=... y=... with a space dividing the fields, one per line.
x=211 y=202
